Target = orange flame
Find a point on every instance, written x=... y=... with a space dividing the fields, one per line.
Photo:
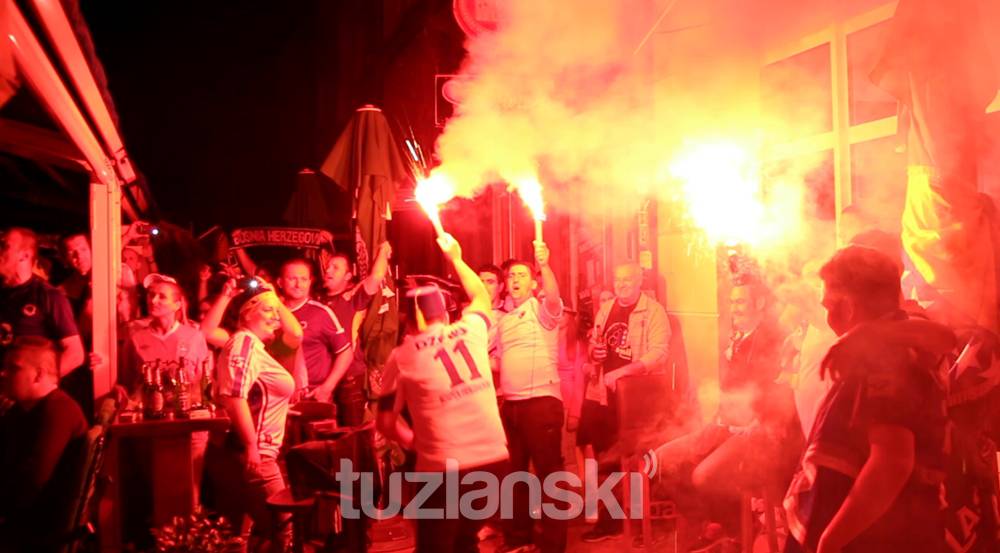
x=722 y=191
x=431 y=193
x=530 y=191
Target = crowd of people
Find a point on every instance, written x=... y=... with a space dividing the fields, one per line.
x=847 y=417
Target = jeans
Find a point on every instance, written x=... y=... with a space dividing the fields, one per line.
x=458 y=534
x=238 y=493
x=534 y=435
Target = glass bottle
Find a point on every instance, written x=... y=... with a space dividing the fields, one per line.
x=152 y=392
x=169 y=376
x=182 y=393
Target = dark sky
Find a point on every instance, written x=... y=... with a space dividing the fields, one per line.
x=217 y=101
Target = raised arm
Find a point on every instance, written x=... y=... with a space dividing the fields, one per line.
x=211 y=325
x=248 y=265
x=379 y=268
x=549 y=284
x=473 y=286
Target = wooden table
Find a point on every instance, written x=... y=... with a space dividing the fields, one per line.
x=171 y=476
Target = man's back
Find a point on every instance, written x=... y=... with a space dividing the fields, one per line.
x=444 y=379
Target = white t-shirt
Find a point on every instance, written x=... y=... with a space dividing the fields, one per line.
x=810 y=390
x=442 y=375
x=527 y=339
x=247 y=371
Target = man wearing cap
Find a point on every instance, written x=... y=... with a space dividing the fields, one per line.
x=532 y=412
x=29 y=306
x=326 y=345
x=440 y=374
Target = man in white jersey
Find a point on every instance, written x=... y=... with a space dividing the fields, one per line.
x=527 y=340
x=441 y=375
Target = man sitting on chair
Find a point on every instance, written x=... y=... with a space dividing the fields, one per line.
x=631 y=336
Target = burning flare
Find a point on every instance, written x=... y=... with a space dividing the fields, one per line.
x=530 y=191
x=722 y=191
x=431 y=193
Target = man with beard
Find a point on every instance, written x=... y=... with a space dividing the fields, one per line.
x=870 y=478
x=754 y=437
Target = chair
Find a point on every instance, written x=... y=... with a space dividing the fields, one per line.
x=301 y=510
x=747 y=538
x=646 y=405
x=312 y=468
x=77 y=527
x=305 y=418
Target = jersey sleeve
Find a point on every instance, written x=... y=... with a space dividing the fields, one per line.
x=477 y=322
x=236 y=372
x=340 y=337
x=549 y=320
x=361 y=299
x=336 y=335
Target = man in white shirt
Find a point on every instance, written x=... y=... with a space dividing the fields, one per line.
x=441 y=375
x=532 y=412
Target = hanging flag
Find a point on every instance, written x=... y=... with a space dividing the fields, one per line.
x=937 y=64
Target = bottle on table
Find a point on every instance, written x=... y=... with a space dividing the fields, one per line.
x=152 y=392
x=182 y=394
x=168 y=372
x=207 y=384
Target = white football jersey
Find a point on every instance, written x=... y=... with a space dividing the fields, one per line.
x=442 y=376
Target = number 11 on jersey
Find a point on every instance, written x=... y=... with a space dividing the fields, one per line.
x=449 y=365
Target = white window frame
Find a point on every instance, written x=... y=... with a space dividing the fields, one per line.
x=843 y=135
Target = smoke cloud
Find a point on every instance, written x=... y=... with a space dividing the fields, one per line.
x=607 y=109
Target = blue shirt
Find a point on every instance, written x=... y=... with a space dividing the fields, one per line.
x=323 y=337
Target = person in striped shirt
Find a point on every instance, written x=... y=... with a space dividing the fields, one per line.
x=255 y=390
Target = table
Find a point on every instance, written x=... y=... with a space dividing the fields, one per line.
x=169 y=486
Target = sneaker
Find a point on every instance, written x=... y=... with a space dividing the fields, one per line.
x=598 y=534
